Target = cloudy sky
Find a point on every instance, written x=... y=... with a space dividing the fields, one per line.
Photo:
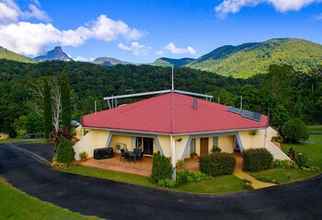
x=140 y=31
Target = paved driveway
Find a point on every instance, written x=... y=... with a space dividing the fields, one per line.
x=108 y=199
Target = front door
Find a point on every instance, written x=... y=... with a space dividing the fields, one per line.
x=204 y=149
x=148 y=146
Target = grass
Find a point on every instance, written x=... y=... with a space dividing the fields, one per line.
x=312 y=149
x=18 y=205
x=28 y=141
x=216 y=185
x=110 y=175
x=282 y=175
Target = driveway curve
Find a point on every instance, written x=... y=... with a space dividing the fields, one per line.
x=112 y=200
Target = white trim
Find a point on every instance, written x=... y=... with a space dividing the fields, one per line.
x=207 y=133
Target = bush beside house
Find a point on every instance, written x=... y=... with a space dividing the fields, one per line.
x=64 y=151
x=257 y=159
x=161 y=168
x=217 y=164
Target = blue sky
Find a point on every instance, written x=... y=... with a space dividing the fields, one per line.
x=140 y=31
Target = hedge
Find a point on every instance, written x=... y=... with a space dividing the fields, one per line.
x=161 y=168
x=257 y=159
x=217 y=164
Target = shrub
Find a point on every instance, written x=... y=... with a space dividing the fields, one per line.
x=285 y=164
x=184 y=177
x=169 y=183
x=83 y=156
x=297 y=157
x=217 y=164
x=161 y=168
x=294 y=131
x=257 y=159
x=291 y=154
x=64 y=151
x=215 y=149
x=300 y=160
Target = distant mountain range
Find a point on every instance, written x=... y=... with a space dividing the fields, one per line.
x=164 y=61
x=9 y=55
x=240 y=61
x=56 y=54
x=249 y=59
x=109 y=61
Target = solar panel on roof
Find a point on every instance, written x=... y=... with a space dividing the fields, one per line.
x=246 y=114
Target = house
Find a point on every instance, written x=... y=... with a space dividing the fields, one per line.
x=177 y=125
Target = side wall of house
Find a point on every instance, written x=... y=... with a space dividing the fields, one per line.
x=226 y=143
x=93 y=139
x=122 y=139
x=252 y=139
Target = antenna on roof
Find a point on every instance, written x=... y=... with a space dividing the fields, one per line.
x=172 y=78
x=241 y=102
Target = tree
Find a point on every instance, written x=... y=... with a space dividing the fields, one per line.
x=294 y=131
x=48 y=124
x=65 y=104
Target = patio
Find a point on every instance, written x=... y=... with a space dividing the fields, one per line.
x=140 y=167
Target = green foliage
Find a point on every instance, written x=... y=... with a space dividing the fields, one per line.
x=9 y=55
x=285 y=164
x=299 y=158
x=48 y=125
x=215 y=149
x=161 y=168
x=250 y=59
x=217 y=164
x=20 y=126
x=66 y=104
x=83 y=156
x=257 y=159
x=28 y=124
x=64 y=151
x=184 y=177
x=294 y=131
x=277 y=93
x=168 y=183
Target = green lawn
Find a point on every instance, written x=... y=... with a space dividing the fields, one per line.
x=18 y=205
x=216 y=185
x=312 y=149
x=20 y=140
x=280 y=175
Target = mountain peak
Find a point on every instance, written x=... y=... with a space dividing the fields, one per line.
x=56 y=54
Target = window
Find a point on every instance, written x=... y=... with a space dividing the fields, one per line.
x=193 y=146
x=215 y=141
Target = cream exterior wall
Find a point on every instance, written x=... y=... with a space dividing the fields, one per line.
x=250 y=140
x=93 y=139
x=125 y=140
x=164 y=144
x=226 y=143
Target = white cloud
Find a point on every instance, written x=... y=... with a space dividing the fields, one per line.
x=84 y=59
x=11 y=12
x=172 y=48
x=234 y=6
x=134 y=47
x=8 y=11
x=31 y=38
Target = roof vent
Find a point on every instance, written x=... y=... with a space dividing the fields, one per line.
x=194 y=103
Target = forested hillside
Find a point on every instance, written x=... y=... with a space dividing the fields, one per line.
x=249 y=59
x=281 y=94
x=9 y=55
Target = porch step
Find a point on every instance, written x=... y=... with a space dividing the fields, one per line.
x=276 y=151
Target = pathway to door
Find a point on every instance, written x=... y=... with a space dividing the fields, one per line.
x=238 y=172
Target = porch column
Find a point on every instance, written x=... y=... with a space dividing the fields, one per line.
x=173 y=156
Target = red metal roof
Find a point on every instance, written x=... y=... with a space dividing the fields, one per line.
x=171 y=113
